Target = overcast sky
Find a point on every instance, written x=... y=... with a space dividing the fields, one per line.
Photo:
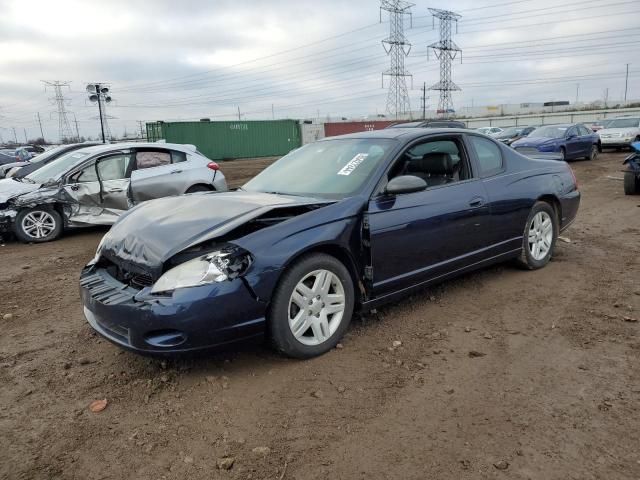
x=205 y=58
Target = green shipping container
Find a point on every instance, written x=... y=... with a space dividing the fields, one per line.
x=228 y=140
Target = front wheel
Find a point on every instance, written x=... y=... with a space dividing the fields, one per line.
x=540 y=235
x=563 y=154
x=631 y=184
x=38 y=225
x=312 y=306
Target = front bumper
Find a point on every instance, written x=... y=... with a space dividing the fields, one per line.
x=616 y=142
x=7 y=218
x=190 y=319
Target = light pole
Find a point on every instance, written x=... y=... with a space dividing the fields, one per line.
x=99 y=93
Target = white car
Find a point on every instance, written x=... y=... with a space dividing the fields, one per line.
x=95 y=185
x=491 y=131
x=620 y=132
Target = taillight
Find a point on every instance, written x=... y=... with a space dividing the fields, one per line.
x=213 y=166
x=575 y=180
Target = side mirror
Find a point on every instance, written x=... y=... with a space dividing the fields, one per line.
x=405 y=184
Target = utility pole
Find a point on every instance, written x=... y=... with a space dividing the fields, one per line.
x=397 y=46
x=577 y=91
x=25 y=135
x=99 y=92
x=626 y=84
x=141 y=122
x=64 y=128
x=445 y=50
x=273 y=113
x=239 y=117
x=15 y=137
x=40 y=123
x=606 y=97
x=424 y=101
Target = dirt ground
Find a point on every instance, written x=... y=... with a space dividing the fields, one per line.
x=551 y=392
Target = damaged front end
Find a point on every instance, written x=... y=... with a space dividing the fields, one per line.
x=7 y=218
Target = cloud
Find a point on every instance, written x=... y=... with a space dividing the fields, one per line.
x=197 y=58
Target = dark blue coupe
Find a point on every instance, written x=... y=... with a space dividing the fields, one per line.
x=570 y=141
x=345 y=223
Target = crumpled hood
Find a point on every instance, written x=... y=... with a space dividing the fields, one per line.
x=154 y=231
x=10 y=188
x=534 y=142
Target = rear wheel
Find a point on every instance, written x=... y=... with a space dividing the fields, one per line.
x=312 y=306
x=540 y=235
x=631 y=184
x=594 y=153
x=38 y=225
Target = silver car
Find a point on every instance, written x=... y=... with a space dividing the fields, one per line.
x=95 y=185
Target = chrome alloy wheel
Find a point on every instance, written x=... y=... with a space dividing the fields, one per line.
x=38 y=224
x=316 y=307
x=540 y=235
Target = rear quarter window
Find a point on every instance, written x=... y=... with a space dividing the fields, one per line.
x=488 y=154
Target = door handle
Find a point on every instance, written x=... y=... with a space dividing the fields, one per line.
x=476 y=202
x=115 y=190
x=176 y=171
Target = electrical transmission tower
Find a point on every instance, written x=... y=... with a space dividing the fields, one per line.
x=397 y=47
x=64 y=127
x=446 y=51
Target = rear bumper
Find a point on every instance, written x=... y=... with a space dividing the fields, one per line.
x=569 y=204
x=190 y=319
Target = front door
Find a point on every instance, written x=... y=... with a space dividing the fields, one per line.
x=574 y=144
x=420 y=236
x=113 y=174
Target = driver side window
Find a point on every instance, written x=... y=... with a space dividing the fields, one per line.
x=437 y=162
x=86 y=175
x=113 y=168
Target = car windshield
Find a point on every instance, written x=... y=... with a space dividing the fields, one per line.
x=551 y=131
x=57 y=168
x=48 y=154
x=334 y=168
x=623 y=123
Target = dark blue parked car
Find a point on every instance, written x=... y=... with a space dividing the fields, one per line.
x=345 y=223
x=571 y=141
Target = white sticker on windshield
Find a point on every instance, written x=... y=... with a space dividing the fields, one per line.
x=353 y=164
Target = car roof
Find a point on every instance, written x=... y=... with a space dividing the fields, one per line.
x=399 y=133
x=108 y=147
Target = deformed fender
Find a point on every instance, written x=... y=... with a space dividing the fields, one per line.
x=273 y=252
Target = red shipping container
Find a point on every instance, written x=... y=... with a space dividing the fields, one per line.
x=342 y=128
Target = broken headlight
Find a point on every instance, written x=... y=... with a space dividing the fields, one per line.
x=221 y=265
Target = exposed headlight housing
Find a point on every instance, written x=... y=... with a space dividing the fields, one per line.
x=225 y=264
x=96 y=257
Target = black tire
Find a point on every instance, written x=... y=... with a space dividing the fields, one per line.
x=593 y=154
x=28 y=237
x=526 y=258
x=278 y=315
x=198 y=188
x=631 y=184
